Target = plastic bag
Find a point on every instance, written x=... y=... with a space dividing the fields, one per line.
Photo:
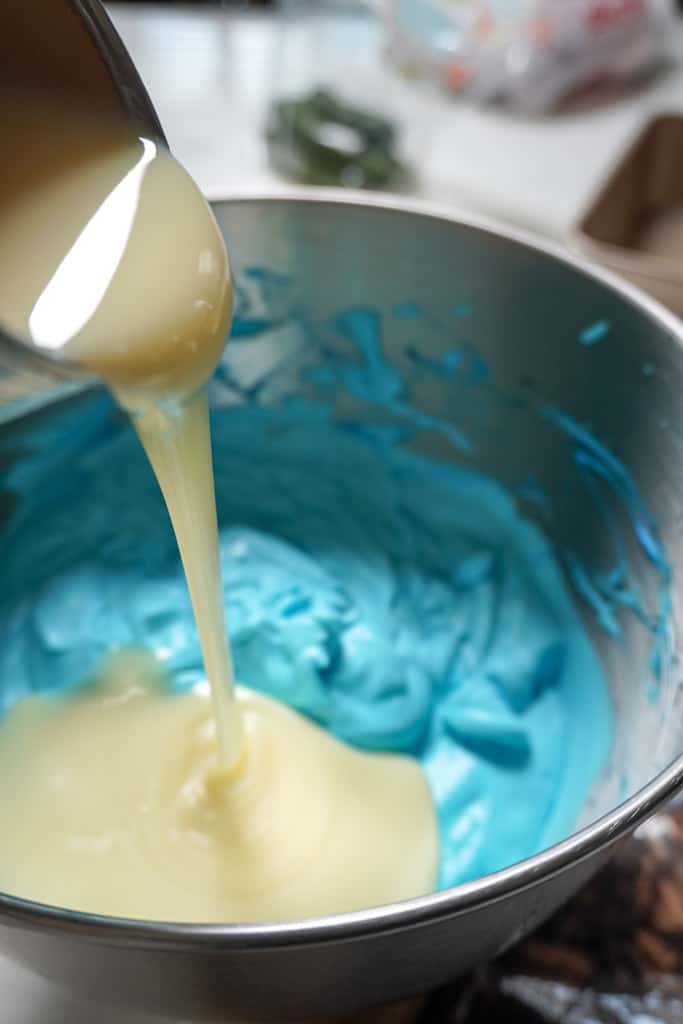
x=529 y=53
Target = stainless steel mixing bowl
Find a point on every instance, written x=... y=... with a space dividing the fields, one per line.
x=529 y=306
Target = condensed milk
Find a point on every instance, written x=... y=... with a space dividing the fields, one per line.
x=121 y=798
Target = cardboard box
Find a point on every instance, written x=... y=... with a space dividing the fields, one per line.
x=635 y=224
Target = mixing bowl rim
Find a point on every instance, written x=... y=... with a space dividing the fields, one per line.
x=430 y=210
x=489 y=889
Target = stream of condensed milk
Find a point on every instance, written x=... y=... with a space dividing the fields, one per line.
x=120 y=798
x=110 y=255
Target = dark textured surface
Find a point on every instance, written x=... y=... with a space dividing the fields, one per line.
x=612 y=956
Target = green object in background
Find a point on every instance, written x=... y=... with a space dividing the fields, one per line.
x=323 y=141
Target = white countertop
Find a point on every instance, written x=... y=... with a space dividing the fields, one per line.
x=211 y=77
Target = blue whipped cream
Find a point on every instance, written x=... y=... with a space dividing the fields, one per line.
x=401 y=601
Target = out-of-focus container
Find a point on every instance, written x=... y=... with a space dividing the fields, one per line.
x=635 y=224
x=529 y=54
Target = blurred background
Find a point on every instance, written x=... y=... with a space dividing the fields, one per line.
x=523 y=110
x=518 y=109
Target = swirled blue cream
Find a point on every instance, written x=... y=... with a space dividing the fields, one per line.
x=402 y=603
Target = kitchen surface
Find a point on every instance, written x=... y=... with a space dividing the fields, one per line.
x=213 y=72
